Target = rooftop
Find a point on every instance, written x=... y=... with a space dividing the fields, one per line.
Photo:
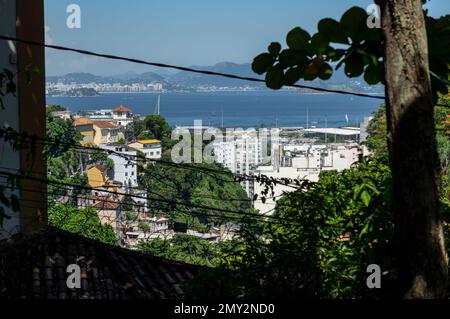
x=121 y=108
x=334 y=131
x=106 y=205
x=83 y=121
x=105 y=124
x=35 y=267
x=149 y=141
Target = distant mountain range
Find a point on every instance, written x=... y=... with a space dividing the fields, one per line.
x=194 y=80
x=83 y=78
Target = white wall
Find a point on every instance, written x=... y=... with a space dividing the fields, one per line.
x=305 y=165
x=283 y=172
x=125 y=171
x=9 y=160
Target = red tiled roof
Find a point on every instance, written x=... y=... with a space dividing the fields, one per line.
x=34 y=267
x=105 y=124
x=106 y=205
x=121 y=108
x=83 y=121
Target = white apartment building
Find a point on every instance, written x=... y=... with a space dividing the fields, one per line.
x=303 y=162
x=125 y=167
x=242 y=152
x=152 y=149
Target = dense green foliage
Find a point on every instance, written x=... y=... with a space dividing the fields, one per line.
x=84 y=222
x=357 y=47
x=134 y=129
x=55 y=108
x=157 y=127
x=193 y=187
x=64 y=163
x=377 y=141
x=332 y=231
x=182 y=247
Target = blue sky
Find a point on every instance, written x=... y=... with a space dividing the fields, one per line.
x=182 y=32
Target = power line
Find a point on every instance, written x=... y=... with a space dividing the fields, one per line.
x=245 y=217
x=186 y=69
x=190 y=205
x=138 y=159
x=180 y=68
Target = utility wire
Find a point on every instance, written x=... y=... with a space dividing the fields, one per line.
x=175 y=67
x=138 y=160
x=186 y=69
x=46 y=181
x=245 y=217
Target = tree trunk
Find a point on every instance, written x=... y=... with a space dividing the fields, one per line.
x=421 y=254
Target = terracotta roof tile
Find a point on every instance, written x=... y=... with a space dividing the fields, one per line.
x=105 y=124
x=35 y=267
x=83 y=121
x=121 y=108
x=106 y=205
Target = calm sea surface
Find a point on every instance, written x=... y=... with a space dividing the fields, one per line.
x=240 y=109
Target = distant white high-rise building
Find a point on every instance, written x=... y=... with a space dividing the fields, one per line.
x=303 y=162
x=242 y=151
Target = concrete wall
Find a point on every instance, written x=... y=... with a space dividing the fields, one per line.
x=9 y=160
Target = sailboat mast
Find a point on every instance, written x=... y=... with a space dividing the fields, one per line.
x=159 y=104
x=157 y=107
x=307 y=118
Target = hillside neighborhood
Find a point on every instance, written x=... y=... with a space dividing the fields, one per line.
x=295 y=153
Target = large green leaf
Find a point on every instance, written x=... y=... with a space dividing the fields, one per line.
x=354 y=65
x=290 y=58
x=274 y=49
x=262 y=62
x=354 y=23
x=298 y=39
x=374 y=74
x=325 y=72
x=275 y=77
x=366 y=198
x=312 y=69
x=332 y=30
x=293 y=75
x=319 y=43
